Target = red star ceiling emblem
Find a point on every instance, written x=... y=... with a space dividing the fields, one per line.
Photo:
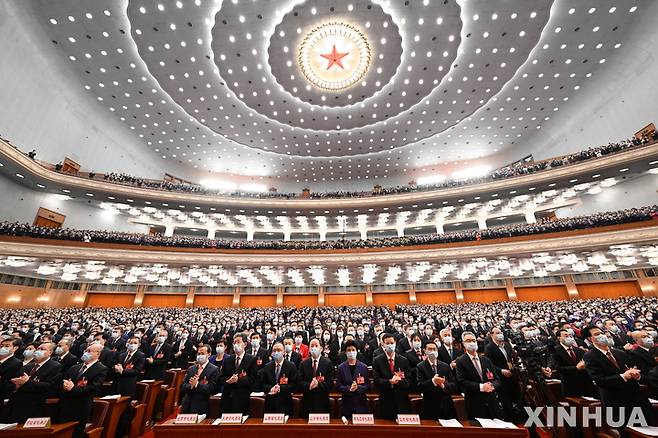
x=334 y=58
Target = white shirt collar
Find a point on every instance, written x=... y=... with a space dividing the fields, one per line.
x=6 y=358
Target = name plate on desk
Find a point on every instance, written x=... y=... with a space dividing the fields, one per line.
x=274 y=418
x=187 y=419
x=318 y=418
x=232 y=418
x=408 y=419
x=363 y=419
x=36 y=422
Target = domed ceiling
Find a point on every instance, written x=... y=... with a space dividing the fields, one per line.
x=318 y=90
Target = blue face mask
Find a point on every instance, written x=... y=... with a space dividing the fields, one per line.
x=277 y=356
x=389 y=348
x=27 y=354
x=351 y=355
x=86 y=356
x=202 y=359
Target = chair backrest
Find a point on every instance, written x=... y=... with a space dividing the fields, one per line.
x=170 y=377
x=416 y=404
x=141 y=392
x=296 y=406
x=256 y=407
x=460 y=407
x=99 y=410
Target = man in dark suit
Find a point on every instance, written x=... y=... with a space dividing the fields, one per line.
x=158 y=357
x=10 y=366
x=182 y=351
x=643 y=353
x=568 y=361
x=116 y=343
x=279 y=380
x=391 y=374
x=81 y=384
x=64 y=356
x=615 y=375
x=128 y=369
x=477 y=378
x=437 y=383
x=404 y=344
x=289 y=354
x=448 y=352
x=501 y=355
x=260 y=353
x=316 y=379
x=239 y=377
x=108 y=357
x=199 y=383
x=38 y=380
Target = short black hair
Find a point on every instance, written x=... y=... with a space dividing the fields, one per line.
x=350 y=343
x=431 y=343
x=586 y=332
x=385 y=336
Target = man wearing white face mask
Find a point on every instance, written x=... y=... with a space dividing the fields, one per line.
x=199 y=383
x=158 y=357
x=38 y=380
x=128 y=369
x=477 y=378
x=316 y=379
x=391 y=374
x=238 y=378
x=448 y=352
x=616 y=376
x=9 y=366
x=568 y=361
x=643 y=355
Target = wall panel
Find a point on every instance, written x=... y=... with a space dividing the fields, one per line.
x=300 y=300
x=345 y=299
x=14 y=297
x=612 y=289
x=485 y=295
x=110 y=300
x=390 y=299
x=257 y=300
x=542 y=293
x=436 y=297
x=164 y=300
x=213 y=300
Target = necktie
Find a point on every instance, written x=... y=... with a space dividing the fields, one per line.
x=287 y=357
x=450 y=352
x=391 y=365
x=612 y=359
x=34 y=369
x=237 y=362
x=157 y=349
x=277 y=371
x=572 y=354
x=502 y=350
x=476 y=364
x=315 y=367
x=434 y=368
x=82 y=371
x=128 y=357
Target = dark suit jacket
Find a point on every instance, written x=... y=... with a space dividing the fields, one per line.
x=116 y=345
x=575 y=382
x=126 y=382
x=295 y=358
x=615 y=392
x=316 y=400
x=29 y=400
x=9 y=369
x=108 y=357
x=353 y=402
x=75 y=405
x=282 y=401
x=156 y=370
x=643 y=359
x=68 y=361
x=235 y=397
x=509 y=385
x=195 y=400
x=437 y=401
x=393 y=399
x=262 y=356
x=403 y=345
x=187 y=354
x=444 y=356
x=478 y=404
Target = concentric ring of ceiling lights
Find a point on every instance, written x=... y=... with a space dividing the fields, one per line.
x=204 y=83
x=334 y=56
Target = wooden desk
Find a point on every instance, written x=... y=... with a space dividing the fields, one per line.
x=151 y=399
x=254 y=428
x=114 y=411
x=62 y=430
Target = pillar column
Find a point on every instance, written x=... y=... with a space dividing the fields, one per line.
x=139 y=296
x=286 y=235
x=482 y=223
x=321 y=296
x=412 y=294
x=279 y=296
x=169 y=230
x=511 y=292
x=189 y=299
x=368 y=295
x=459 y=291
x=250 y=235
x=572 y=290
x=400 y=231
x=439 y=228
x=323 y=235
x=236 y=296
x=530 y=217
x=364 y=233
x=80 y=298
x=211 y=233
x=647 y=284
